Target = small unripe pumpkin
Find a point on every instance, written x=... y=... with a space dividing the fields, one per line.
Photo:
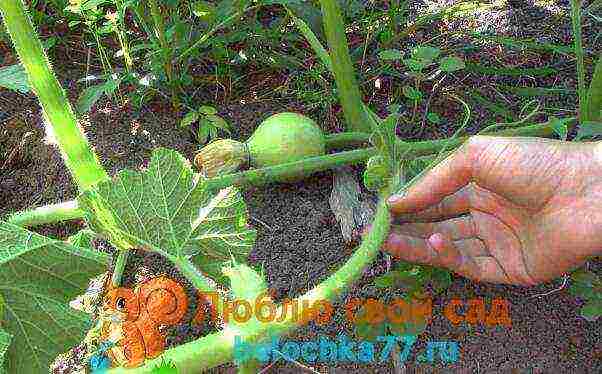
x=285 y=137
x=281 y=138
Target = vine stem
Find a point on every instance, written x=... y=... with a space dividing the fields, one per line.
x=342 y=67
x=122 y=259
x=218 y=348
x=47 y=214
x=75 y=149
x=259 y=177
x=187 y=268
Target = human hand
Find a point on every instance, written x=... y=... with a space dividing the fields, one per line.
x=504 y=210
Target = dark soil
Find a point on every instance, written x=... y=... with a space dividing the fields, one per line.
x=299 y=243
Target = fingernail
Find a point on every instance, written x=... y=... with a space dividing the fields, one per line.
x=393 y=199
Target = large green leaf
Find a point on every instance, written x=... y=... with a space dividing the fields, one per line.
x=38 y=277
x=169 y=209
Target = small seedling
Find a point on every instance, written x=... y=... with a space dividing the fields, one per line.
x=424 y=63
x=208 y=123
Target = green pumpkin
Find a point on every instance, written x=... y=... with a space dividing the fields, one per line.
x=285 y=137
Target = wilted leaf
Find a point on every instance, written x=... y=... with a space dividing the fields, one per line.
x=38 y=278
x=451 y=63
x=390 y=54
x=14 y=78
x=170 y=210
x=351 y=212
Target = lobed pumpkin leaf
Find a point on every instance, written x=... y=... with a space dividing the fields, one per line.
x=170 y=210
x=38 y=278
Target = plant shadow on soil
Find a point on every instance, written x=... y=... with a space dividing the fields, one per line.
x=299 y=243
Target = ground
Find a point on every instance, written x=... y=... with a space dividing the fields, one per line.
x=299 y=243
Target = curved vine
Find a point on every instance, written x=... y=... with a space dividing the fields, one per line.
x=218 y=348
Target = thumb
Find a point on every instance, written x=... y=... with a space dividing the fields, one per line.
x=447 y=177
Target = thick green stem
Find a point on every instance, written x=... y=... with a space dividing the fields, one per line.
x=346 y=139
x=576 y=18
x=284 y=172
x=47 y=214
x=77 y=153
x=217 y=349
x=344 y=74
x=312 y=39
x=323 y=55
x=122 y=259
x=258 y=177
x=187 y=268
x=198 y=280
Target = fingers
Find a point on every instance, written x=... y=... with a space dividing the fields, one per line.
x=455 y=228
x=443 y=180
x=450 y=206
x=409 y=248
x=466 y=257
x=457 y=257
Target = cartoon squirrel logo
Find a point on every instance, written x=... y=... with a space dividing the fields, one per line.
x=137 y=318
